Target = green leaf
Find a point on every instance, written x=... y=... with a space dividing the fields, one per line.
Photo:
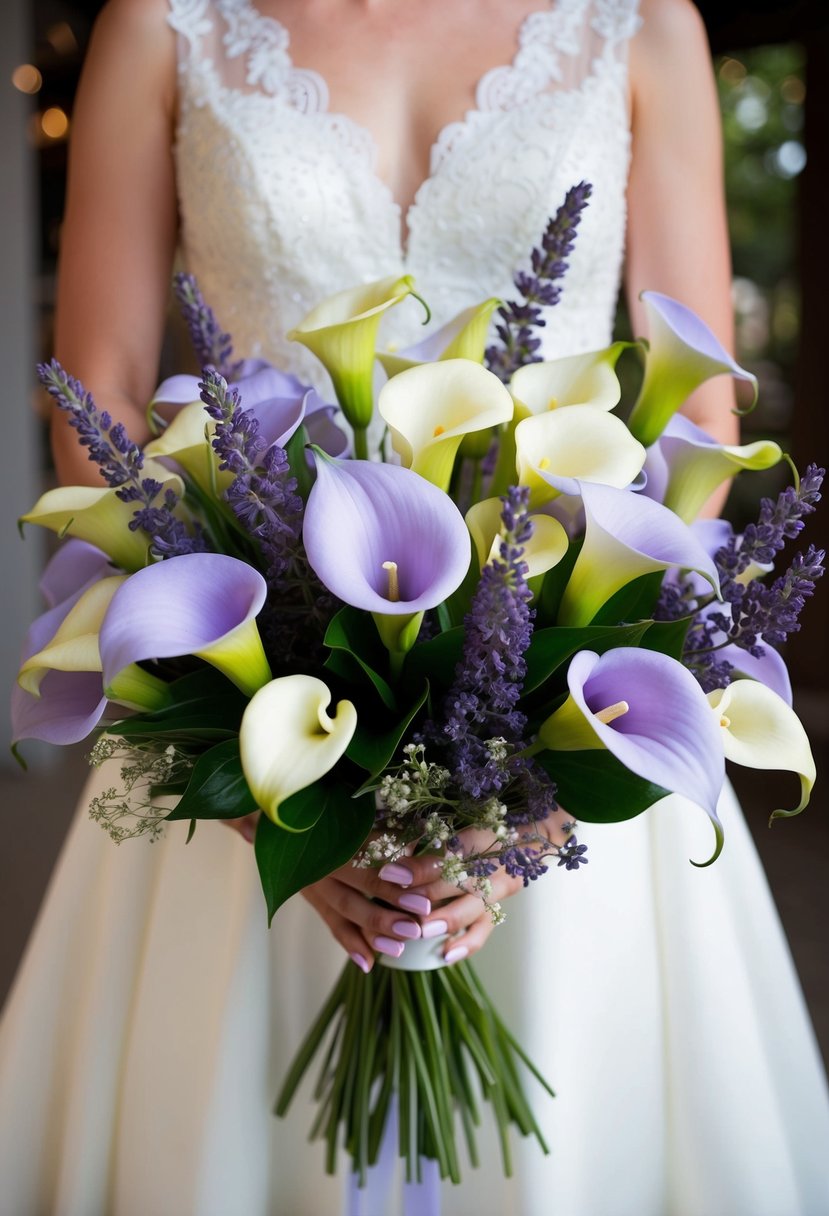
x=594 y=786
x=204 y=707
x=217 y=788
x=551 y=647
x=555 y=581
x=298 y=461
x=372 y=748
x=436 y=659
x=668 y=637
x=354 y=633
x=634 y=602
x=301 y=810
x=289 y=861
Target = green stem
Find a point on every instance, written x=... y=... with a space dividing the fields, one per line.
x=360 y=443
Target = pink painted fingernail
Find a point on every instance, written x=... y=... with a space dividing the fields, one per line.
x=416 y=903
x=434 y=928
x=456 y=954
x=387 y=945
x=406 y=928
x=360 y=961
x=395 y=873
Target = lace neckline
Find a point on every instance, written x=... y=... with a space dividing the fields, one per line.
x=266 y=42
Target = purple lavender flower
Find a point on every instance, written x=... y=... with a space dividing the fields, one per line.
x=121 y=462
x=572 y=854
x=539 y=289
x=212 y=346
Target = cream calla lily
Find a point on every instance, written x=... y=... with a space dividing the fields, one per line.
x=288 y=740
x=588 y=379
x=430 y=408
x=545 y=548
x=342 y=333
x=187 y=440
x=759 y=730
x=575 y=441
x=697 y=464
x=464 y=337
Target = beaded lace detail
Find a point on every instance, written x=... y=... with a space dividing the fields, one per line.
x=281 y=203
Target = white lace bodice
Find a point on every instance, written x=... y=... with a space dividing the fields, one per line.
x=281 y=203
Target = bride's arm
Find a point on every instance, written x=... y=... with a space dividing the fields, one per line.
x=119 y=229
x=677 y=237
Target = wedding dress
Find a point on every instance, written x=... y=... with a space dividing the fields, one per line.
x=155 y=1014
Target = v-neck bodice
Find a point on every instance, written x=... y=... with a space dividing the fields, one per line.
x=281 y=202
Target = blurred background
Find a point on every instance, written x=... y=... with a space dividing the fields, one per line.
x=772 y=67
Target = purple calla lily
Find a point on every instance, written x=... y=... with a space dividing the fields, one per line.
x=363 y=517
x=202 y=604
x=649 y=711
x=74 y=566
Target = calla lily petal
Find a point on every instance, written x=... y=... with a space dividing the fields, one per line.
x=74 y=645
x=759 y=730
x=662 y=728
x=342 y=333
x=575 y=443
x=288 y=740
x=696 y=464
x=177 y=390
x=545 y=548
x=362 y=517
x=464 y=337
x=100 y=517
x=626 y=536
x=72 y=567
x=187 y=441
x=431 y=408
x=683 y=353
x=588 y=379
x=203 y=604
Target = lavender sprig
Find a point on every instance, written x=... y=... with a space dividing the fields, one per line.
x=121 y=462
x=213 y=347
x=539 y=289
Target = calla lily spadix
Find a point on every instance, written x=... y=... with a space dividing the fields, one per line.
x=342 y=333
x=625 y=537
x=431 y=408
x=464 y=337
x=588 y=379
x=362 y=517
x=287 y=739
x=683 y=353
x=695 y=464
x=201 y=604
x=545 y=548
x=650 y=712
x=99 y=517
x=759 y=730
x=575 y=442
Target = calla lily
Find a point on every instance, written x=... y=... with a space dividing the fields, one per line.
x=382 y=538
x=545 y=548
x=99 y=517
x=464 y=337
x=288 y=741
x=649 y=711
x=576 y=443
x=759 y=730
x=683 y=353
x=626 y=536
x=695 y=465
x=588 y=379
x=431 y=408
x=342 y=333
x=73 y=566
x=201 y=604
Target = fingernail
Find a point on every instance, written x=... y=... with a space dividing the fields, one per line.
x=387 y=945
x=456 y=954
x=434 y=928
x=360 y=961
x=398 y=874
x=416 y=903
x=406 y=928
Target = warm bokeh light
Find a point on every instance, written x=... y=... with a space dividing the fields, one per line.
x=732 y=71
x=54 y=123
x=61 y=38
x=793 y=90
x=27 y=78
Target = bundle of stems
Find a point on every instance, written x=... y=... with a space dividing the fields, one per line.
x=429 y=1043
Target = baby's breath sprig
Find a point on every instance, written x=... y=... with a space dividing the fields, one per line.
x=131 y=810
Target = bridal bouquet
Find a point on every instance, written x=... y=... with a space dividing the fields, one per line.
x=422 y=636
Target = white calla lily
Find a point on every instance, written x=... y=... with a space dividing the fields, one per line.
x=588 y=379
x=430 y=408
x=759 y=730
x=574 y=442
x=187 y=440
x=287 y=739
x=464 y=337
x=545 y=548
x=100 y=517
